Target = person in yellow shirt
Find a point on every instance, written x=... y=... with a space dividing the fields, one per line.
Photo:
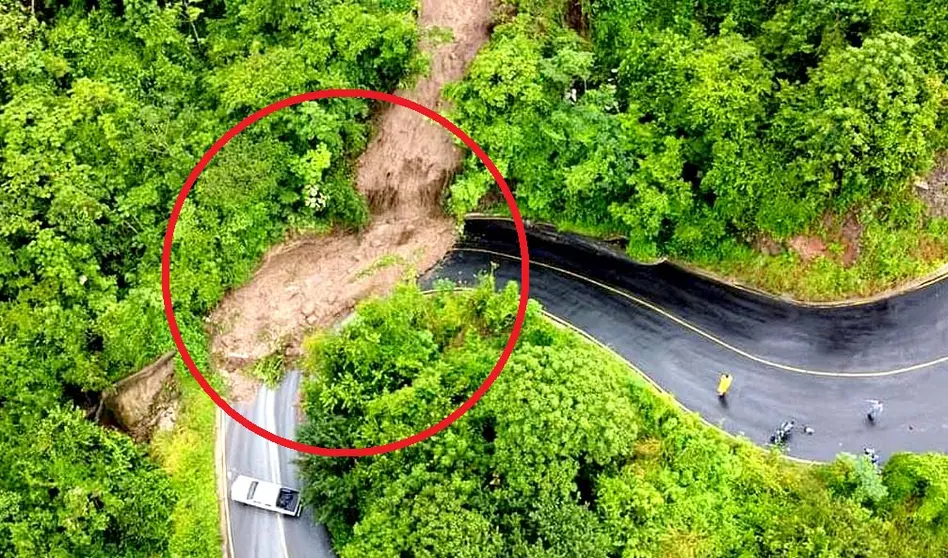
x=724 y=384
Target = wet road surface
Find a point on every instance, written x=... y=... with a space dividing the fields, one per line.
x=817 y=366
x=259 y=533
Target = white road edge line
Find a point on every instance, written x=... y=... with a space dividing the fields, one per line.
x=662 y=391
x=223 y=484
x=269 y=404
x=659 y=390
x=662 y=312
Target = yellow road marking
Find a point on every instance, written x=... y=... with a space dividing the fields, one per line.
x=912 y=286
x=661 y=311
x=659 y=390
x=654 y=385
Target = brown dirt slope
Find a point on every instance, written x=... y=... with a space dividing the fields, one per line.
x=144 y=401
x=311 y=282
x=845 y=232
x=933 y=188
x=410 y=160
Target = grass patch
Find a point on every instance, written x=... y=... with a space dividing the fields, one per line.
x=889 y=258
x=270 y=369
x=383 y=262
x=187 y=454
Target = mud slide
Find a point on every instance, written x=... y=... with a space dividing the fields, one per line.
x=311 y=282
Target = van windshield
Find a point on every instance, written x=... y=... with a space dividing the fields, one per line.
x=288 y=499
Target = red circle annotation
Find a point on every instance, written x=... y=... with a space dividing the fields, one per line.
x=169 y=305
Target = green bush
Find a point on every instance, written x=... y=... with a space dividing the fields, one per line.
x=270 y=370
x=71 y=488
x=687 y=127
x=570 y=453
x=105 y=107
x=922 y=482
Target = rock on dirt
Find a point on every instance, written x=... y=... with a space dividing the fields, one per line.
x=313 y=281
x=766 y=245
x=145 y=400
x=933 y=188
x=847 y=233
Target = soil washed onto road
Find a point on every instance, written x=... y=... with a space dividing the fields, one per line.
x=311 y=282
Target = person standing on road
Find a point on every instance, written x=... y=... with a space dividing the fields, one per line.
x=875 y=409
x=724 y=384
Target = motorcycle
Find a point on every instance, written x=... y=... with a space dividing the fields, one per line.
x=782 y=435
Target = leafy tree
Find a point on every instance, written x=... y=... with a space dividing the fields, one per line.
x=693 y=127
x=561 y=458
x=104 y=110
x=864 y=122
x=920 y=481
x=75 y=489
x=802 y=32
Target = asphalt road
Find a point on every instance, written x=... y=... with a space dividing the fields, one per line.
x=258 y=533
x=817 y=366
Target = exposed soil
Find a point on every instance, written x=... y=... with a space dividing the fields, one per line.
x=846 y=234
x=933 y=188
x=309 y=283
x=411 y=159
x=850 y=234
x=143 y=402
x=808 y=247
x=576 y=18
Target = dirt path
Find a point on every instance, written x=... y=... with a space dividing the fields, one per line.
x=311 y=282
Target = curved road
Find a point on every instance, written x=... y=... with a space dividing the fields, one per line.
x=817 y=366
x=258 y=533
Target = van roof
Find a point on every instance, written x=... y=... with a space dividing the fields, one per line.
x=265 y=492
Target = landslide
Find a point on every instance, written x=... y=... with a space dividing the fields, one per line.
x=313 y=281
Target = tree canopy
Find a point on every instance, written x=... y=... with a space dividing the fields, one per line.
x=570 y=453
x=690 y=127
x=105 y=107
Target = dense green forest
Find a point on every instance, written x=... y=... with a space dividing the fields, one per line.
x=104 y=109
x=561 y=458
x=696 y=128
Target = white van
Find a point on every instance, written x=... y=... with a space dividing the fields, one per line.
x=265 y=495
